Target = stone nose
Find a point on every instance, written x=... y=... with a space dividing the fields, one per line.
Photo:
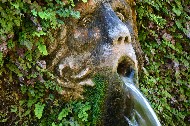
x=116 y=30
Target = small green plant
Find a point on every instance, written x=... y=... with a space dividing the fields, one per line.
x=39 y=107
x=73 y=113
x=26 y=28
x=162 y=27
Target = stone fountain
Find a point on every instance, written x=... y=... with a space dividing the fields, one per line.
x=104 y=40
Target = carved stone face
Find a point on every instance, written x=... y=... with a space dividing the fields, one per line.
x=104 y=38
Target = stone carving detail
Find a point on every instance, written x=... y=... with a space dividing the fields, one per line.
x=104 y=37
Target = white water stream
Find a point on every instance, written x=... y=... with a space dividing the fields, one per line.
x=143 y=114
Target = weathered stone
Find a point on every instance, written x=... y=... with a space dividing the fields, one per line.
x=104 y=36
x=103 y=40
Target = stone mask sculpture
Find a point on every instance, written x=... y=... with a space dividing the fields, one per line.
x=103 y=38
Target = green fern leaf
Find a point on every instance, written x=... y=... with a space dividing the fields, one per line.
x=39 y=107
x=63 y=113
x=42 y=48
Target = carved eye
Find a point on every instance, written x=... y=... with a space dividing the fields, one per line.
x=120 y=16
x=123 y=13
x=86 y=20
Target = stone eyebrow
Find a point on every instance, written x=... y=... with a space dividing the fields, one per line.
x=123 y=10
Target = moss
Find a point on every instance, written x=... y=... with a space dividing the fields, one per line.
x=96 y=97
x=107 y=99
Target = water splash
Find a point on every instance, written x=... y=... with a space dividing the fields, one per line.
x=143 y=114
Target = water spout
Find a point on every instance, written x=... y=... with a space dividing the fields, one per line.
x=143 y=114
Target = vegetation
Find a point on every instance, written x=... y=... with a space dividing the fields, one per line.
x=96 y=98
x=164 y=35
x=29 y=94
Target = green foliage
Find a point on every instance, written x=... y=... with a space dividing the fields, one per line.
x=71 y=114
x=42 y=48
x=1 y=59
x=96 y=98
x=163 y=34
x=81 y=109
x=63 y=113
x=26 y=28
x=45 y=108
x=32 y=102
x=78 y=113
x=39 y=107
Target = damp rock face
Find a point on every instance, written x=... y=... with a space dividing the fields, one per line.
x=104 y=37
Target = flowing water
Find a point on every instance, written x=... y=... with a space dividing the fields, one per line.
x=143 y=114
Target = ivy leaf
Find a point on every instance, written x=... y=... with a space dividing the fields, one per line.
x=53 y=124
x=63 y=113
x=34 y=12
x=43 y=15
x=39 y=107
x=82 y=114
x=72 y=3
x=39 y=33
x=30 y=102
x=60 y=124
x=10 y=44
x=16 y=5
x=81 y=110
x=42 y=48
x=177 y=11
